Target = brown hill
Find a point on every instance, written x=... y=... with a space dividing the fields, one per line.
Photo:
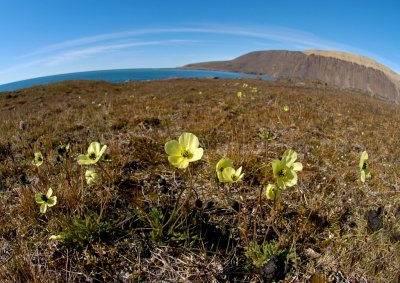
x=340 y=69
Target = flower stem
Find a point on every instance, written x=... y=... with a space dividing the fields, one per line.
x=177 y=209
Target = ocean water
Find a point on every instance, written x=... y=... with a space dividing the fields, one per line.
x=123 y=75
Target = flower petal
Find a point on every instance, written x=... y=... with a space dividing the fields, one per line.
x=227 y=174
x=38 y=198
x=223 y=163
x=291 y=179
x=84 y=160
x=362 y=176
x=276 y=166
x=94 y=147
x=56 y=237
x=43 y=207
x=52 y=201
x=173 y=148
x=297 y=166
x=178 y=161
x=281 y=184
x=189 y=141
x=103 y=149
x=289 y=156
x=197 y=154
x=49 y=192
x=272 y=192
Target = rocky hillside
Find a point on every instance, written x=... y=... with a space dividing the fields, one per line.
x=340 y=69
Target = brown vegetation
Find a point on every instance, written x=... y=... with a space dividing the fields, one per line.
x=329 y=227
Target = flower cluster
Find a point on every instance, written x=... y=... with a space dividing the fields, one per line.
x=93 y=155
x=185 y=150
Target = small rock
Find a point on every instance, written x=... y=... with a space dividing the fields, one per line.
x=198 y=203
x=23 y=125
x=209 y=204
x=374 y=219
x=274 y=270
x=235 y=205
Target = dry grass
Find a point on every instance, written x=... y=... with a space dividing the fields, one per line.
x=321 y=229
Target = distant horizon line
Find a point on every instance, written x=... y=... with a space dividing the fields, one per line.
x=139 y=76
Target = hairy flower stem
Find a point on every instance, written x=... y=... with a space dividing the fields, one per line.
x=260 y=203
x=67 y=168
x=104 y=201
x=106 y=198
x=106 y=173
x=176 y=210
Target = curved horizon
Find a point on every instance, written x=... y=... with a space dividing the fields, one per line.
x=134 y=74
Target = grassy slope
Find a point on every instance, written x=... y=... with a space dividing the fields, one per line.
x=321 y=223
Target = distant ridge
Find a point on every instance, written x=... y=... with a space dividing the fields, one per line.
x=340 y=69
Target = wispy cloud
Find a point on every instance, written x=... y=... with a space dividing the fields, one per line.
x=77 y=53
x=23 y=65
x=91 y=51
x=102 y=38
x=285 y=36
x=280 y=34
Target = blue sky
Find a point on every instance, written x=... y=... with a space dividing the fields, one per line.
x=45 y=37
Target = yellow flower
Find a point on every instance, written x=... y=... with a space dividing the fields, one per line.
x=364 y=167
x=56 y=237
x=272 y=192
x=267 y=135
x=239 y=94
x=183 y=151
x=221 y=165
x=38 y=159
x=284 y=170
x=230 y=175
x=91 y=176
x=289 y=157
x=93 y=154
x=46 y=200
x=286 y=108
x=63 y=150
x=284 y=176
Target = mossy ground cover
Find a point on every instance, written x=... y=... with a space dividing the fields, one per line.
x=125 y=227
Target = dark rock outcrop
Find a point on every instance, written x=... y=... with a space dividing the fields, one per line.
x=343 y=70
